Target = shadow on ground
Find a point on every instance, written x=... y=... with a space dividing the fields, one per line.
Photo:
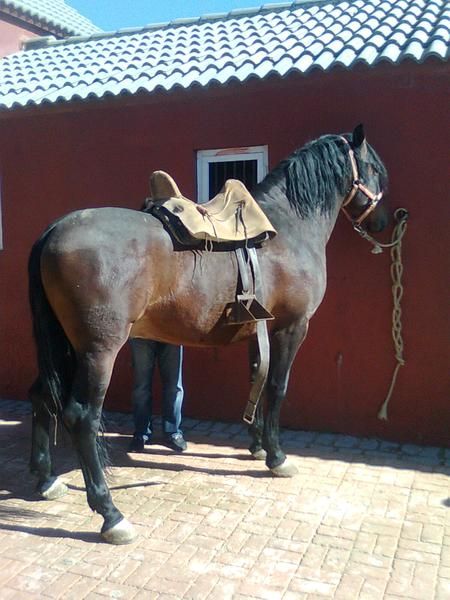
x=15 y=432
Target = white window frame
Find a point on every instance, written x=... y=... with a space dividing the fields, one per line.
x=205 y=157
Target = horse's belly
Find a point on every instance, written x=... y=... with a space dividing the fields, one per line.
x=222 y=336
x=192 y=319
x=190 y=322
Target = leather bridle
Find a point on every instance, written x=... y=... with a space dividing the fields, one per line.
x=356 y=187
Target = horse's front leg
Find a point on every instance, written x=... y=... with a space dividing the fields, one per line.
x=82 y=415
x=255 y=430
x=284 y=346
x=48 y=486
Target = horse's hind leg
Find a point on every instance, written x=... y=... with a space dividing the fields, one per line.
x=49 y=486
x=284 y=346
x=82 y=415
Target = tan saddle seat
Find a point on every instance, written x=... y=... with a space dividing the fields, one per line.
x=233 y=215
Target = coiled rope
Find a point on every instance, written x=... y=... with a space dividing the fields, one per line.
x=401 y=216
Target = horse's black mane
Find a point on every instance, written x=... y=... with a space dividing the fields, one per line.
x=315 y=172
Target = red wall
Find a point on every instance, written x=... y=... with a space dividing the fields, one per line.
x=101 y=154
x=12 y=37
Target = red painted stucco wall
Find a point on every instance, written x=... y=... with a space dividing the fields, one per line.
x=12 y=36
x=53 y=161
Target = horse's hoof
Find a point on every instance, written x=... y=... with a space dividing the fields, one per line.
x=56 y=490
x=286 y=469
x=259 y=454
x=122 y=533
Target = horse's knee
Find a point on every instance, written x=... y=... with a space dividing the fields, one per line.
x=277 y=390
x=72 y=415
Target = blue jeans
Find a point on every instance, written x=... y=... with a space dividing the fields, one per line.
x=145 y=354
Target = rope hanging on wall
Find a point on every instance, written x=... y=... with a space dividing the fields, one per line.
x=401 y=216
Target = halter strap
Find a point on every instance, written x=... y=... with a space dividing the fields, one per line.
x=356 y=187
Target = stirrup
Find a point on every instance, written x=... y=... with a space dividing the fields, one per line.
x=246 y=309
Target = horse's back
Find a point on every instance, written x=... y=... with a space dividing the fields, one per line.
x=97 y=226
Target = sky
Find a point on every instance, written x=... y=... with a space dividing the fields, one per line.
x=110 y=15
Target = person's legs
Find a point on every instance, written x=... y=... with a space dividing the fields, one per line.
x=170 y=360
x=143 y=354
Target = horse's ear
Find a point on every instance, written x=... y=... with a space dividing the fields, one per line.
x=358 y=136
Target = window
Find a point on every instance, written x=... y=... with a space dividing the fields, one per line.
x=214 y=167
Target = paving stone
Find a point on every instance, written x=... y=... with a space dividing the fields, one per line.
x=369 y=443
x=311 y=586
x=301 y=437
x=349 y=454
x=236 y=428
x=346 y=441
x=411 y=449
x=202 y=587
x=432 y=451
x=430 y=460
x=443 y=589
x=326 y=439
x=203 y=426
x=365 y=519
x=389 y=446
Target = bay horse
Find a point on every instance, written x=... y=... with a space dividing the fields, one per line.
x=99 y=276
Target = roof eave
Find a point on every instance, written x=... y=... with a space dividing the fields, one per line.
x=77 y=103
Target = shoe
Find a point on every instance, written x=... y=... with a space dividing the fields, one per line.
x=176 y=442
x=136 y=445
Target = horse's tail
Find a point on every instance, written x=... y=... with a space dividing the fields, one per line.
x=55 y=355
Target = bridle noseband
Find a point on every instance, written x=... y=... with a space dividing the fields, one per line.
x=356 y=187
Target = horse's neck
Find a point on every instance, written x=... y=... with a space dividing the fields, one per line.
x=289 y=224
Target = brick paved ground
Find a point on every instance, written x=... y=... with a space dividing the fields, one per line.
x=363 y=519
